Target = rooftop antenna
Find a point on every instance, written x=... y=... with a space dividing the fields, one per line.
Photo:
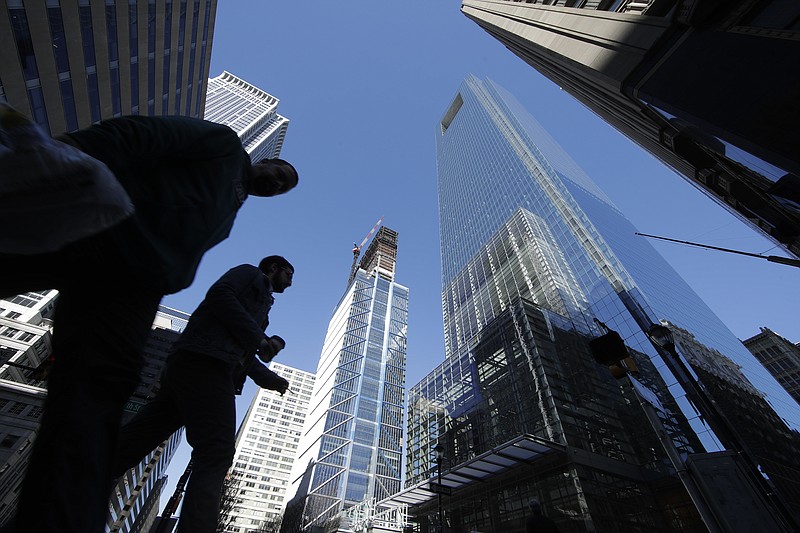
x=357 y=251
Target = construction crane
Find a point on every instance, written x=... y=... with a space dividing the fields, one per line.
x=357 y=251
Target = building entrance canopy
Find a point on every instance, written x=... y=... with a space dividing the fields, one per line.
x=525 y=449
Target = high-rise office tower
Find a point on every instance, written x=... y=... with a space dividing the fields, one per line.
x=780 y=357
x=70 y=64
x=26 y=347
x=700 y=84
x=351 y=447
x=250 y=112
x=266 y=446
x=537 y=261
x=134 y=500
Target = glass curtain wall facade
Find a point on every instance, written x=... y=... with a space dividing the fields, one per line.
x=351 y=449
x=510 y=161
x=532 y=253
x=631 y=61
x=70 y=64
x=520 y=365
x=250 y=112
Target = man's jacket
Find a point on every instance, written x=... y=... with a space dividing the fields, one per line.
x=229 y=324
x=187 y=179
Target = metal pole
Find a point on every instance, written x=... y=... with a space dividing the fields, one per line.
x=674 y=456
x=771 y=258
x=439 y=479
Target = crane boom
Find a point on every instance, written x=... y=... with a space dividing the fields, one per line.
x=357 y=250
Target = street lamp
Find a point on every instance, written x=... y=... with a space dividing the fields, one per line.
x=662 y=337
x=439 y=450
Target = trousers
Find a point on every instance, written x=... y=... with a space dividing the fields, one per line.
x=101 y=324
x=197 y=392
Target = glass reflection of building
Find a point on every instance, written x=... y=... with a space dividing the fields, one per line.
x=351 y=448
x=532 y=253
x=763 y=433
x=632 y=63
x=780 y=357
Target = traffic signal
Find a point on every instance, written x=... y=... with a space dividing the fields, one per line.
x=610 y=350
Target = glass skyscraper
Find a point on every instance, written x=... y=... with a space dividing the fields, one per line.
x=351 y=447
x=493 y=158
x=536 y=262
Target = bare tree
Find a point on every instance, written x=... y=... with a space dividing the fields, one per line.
x=270 y=525
x=227 y=503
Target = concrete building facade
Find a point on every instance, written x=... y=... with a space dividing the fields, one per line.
x=780 y=357
x=267 y=445
x=250 y=112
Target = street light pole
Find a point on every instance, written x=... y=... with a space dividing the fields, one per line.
x=439 y=449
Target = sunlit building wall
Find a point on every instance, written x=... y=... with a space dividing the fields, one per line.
x=250 y=112
x=266 y=447
x=25 y=346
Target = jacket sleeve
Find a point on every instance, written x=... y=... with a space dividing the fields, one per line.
x=223 y=304
x=264 y=377
x=141 y=142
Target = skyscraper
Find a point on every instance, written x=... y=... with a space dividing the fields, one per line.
x=134 y=499
x=537 y=261
x=250 y=112
x=26 y=348
x=699 y=84
x=70 y=64
x=266 y=446
x=351 y=447
x=780 y=357
x=25 y=344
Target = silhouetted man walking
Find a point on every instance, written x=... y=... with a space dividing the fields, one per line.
x=206 y=370
x=187 y=179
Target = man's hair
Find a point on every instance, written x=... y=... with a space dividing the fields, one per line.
x=536 y=507
x=268 y=261
x=281 y=163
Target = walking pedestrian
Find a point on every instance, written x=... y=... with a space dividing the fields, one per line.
x=221 y=345
x=186 y=178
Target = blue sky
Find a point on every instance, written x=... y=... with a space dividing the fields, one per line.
x=364 y=84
